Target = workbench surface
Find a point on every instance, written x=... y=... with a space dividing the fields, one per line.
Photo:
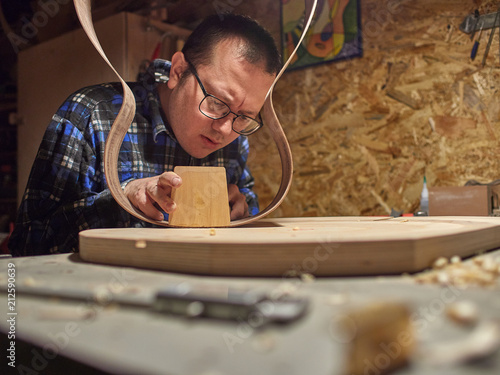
x=127 y=339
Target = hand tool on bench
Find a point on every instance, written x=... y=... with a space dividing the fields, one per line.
x=189 y=301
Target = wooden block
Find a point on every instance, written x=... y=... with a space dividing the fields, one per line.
x=382 y=338
x=202 y=199
x=460 y=201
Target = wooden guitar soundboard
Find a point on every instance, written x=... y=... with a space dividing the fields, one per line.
x=322 y=246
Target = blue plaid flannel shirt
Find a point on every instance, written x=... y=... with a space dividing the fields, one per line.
x=67 y=191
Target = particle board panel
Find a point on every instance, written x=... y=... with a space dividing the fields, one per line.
x=371 y=151
x=322 y=246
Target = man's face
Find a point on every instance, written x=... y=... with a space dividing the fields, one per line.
x=242 y=85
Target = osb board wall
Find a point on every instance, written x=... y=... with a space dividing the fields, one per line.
x=364 y=132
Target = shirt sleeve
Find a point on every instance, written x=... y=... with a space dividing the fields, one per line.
x=66 y=191
x=246 y=181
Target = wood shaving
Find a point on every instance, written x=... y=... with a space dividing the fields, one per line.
x=29 y=281
x=291 y=273
x=307 y=277
x=482 y=342
x=304 y=276
x=141 y=244
x=368 y=329
x=478 y=272
x=102 y=295
x=463 y=312
x=439 y=263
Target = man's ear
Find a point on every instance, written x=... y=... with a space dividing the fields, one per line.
x=179 y=65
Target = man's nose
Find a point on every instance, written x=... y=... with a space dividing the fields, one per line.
x=223 y=125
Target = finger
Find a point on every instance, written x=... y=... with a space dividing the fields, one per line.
x=149 y=209
x=161 y=196
x=137 y=193
x=169 y=180
x=237 y=212
x=237 y=202
x=239 y=209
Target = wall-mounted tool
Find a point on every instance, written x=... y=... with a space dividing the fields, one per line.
x=483 y=63
x=473 y=53
x=476 y=16
x=471 y=23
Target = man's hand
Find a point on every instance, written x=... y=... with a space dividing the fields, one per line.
x=237 y=202
x=146 y=193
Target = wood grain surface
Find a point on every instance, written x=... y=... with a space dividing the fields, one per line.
x=322 y=246
x=202 y=199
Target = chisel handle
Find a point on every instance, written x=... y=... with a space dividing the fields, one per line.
x=473 y=53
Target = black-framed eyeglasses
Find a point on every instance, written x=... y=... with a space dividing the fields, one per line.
x=214 y=108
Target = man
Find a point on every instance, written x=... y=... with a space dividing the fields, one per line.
x=195 y=110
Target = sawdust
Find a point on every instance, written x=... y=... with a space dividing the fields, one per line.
x=140 y=244
x=463 y=312
x=483 y=272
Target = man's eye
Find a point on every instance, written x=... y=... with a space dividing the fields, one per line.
x=216 y=105
x=245 y=120
x=219 y=105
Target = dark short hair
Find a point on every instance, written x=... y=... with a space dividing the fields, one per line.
x=259 y=45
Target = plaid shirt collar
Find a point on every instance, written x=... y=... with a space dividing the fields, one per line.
x=157 y=73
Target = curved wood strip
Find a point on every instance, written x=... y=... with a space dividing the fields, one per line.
x=271 y=120
x=126 y=114
x=121 y=124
